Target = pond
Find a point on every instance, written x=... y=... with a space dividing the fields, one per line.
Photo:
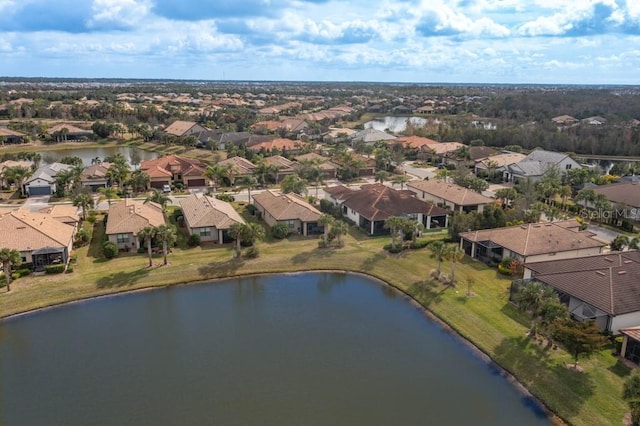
x=398 y=124
x=312 y=349
x=88 y=154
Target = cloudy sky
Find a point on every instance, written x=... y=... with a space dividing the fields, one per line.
x=454 y=41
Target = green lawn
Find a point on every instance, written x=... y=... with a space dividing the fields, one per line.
x=486 y=318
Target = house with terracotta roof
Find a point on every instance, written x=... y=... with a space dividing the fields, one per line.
x=328 y=168
x=282 y=145
x=10 y=136
x=284 y=165
x=65 y=213
x=531 y=242
x=40 y=238
x=95 y=176
x=449 y=195
x=67 y=132
x=372 y=204
x=290 y=209
x=604 y=288
x=497 y=164
x=438 y=152
x=172 y=169
x=127 y=217
x=184 y=128
x=240 y=166
x=415 y=142
x=208 y=217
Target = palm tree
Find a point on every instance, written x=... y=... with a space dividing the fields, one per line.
x=146 y=234
x=159 y=197
x=533 y=297
x=248 y=182
x=84 y=200
x=382 y=176
x=215 y=174
x=438 y=251
x=418 y=228
x=400 y=180
x=96 y=160
x=235 y=232
x=455 y=254
x=108 y=193
x=246 y=232
x=340 y=228
x=396 y=226
x=17 y=175
x=293 y=183
x=326 y=220
x=9 y=259
x=565 y=193
x=139 y=180
x=166 y=233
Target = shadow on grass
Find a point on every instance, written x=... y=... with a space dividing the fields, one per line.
x=620 y=369
x=221 y=269
x=122 y=279
x=371 y=261
x=427 y=291
x=97 y=238
x=512 y=311
x=317 y=253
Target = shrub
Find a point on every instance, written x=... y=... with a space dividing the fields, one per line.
x=91 y=217
x=142 y=250
x=23 y=272
x=109 y=249
x=54 y=269
x=251 y=209
x=82 y=237
x=419 y=244
x=193 y=240
x=395 y=250
x=225 y=197
x=69 y=268
x=251 y=253
x=504 y=270
x=280 y=231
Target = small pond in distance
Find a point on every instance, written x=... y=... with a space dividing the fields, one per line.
x=301 y=349
x=89 y=153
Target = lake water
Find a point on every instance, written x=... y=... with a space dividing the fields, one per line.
x=397 y=124
x=306 y=349
x=88 y=154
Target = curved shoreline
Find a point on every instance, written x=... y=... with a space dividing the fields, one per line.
x=520 y=388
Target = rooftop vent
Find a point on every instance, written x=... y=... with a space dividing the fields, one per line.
x=608 y=259
x=622 y=272
x=601 y=273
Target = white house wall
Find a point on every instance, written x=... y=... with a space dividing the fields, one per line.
x=625 y=321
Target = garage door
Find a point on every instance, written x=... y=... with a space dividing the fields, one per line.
x=158 y=185
x=196 y=182
x=39 y=190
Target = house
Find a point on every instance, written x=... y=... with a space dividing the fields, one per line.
x=172 y=169
x=329 y=168
x=537 y=163
x=531 y=242
x=127 y=217
x=415 y=142
x=95 y=176
x=497 y=164
x=239 y=166
x=282 y=145
x=43 y=180
x=449 y=195
x=372 y=204
x=208 y=217
x=11 y=136
x=564 y=120
x=474 y=153
x=438 y=152
x=12 y=163
x=290 y=209
x=604 y=288
x=65 y=213
x=184 y=128
x=595 y=120
x=370 y=136
x=626 y=194
x=284 y=165
x=40 y=238
x=67 y=132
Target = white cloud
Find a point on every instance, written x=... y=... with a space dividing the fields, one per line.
x=120 y=13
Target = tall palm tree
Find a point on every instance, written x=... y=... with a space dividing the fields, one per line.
x=108 y=193
x=381 y=176
x=248 y=182
x=235 y=232
x=400 y=180
x=293 y=183
x=215 y=174
x=326 y=220
x=17 y=175
x=533 y=297
x=340 y=228
x=246 y=232
x=396 y=226
x=84 y=200
x=455 y=254
x=146 y=234
x=159 y=197
x=166 y=233
x=9 y=259
x=438 y=251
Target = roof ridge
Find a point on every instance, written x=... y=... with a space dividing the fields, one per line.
x=526 y=240
x=611 y=290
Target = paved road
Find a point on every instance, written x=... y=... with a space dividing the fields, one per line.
x=418 y=172
x=603 y=234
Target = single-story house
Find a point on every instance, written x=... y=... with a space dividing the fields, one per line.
x=65 y=213
x=291 y=209
x=11 y=136
x=439 y=151
x=184 y=128
x=475 y=153
x=370 y=136
x=535 y=165
x=449 y=195
x=67 y=132
x=604 y=288
x=208 y=217
x=40 y=238
x=284 y=165
x=172 y=169
x=95 y=176
x=329 y=168
x=372 y=204
x=497 y=164
x=43 y=180
x=626 y=194
x=127 y=217
x=240 y=166
x=531 y=242
x=282 y=145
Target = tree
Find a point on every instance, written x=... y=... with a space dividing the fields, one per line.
x=293 y=183
x=166 y=233
x=580 y=339
x=146 y=234
x=340 y=228
x=159 y=197
x=17 y=175
x=248 y=182
x=454 y=254
x=235 y=232
x=246 y=232
x=139 y=180
x=538 y=299
x=396 y=226
x=619 y=243
x=215 y=174
x=108 y=193
x=9 y=259
x=507 y=195
x=631 y=394
x=400 y=180
x=438 y=251
x=382 y=176
x=84 y=200
x=326 y=220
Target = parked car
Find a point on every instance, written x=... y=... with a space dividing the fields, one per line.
x=166 y=189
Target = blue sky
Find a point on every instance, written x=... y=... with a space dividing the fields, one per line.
x=452 y=41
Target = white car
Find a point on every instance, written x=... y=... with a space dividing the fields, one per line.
x=166 y=189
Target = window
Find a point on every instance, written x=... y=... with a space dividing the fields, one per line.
x=122 y=238
x=290 y=223
x=205 y=232
x=567 y=167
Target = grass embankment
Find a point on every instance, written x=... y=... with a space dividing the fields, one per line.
x=486 y=319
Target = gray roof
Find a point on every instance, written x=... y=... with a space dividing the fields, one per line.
x=372 y=135
x=545 y=156
x=528 y=168
x=48 y=172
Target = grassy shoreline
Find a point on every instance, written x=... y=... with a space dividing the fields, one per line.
x=486 y=320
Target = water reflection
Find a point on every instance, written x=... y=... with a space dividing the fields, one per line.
x=131 y=154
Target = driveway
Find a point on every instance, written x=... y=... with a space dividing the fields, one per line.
x=36 y=203
x=603 y=234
